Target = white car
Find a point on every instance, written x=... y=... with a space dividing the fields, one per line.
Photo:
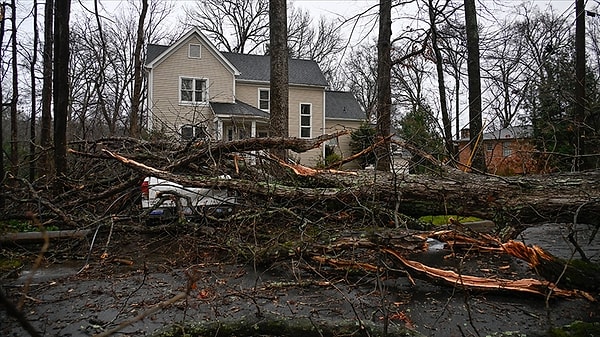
x=163 y=198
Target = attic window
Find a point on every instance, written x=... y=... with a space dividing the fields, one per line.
x=194 y=51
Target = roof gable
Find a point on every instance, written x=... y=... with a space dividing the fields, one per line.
x=158 y=53
x=342 y=105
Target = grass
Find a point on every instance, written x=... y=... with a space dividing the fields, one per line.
x=441 y=220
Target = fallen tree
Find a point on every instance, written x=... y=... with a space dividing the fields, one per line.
x=531 y=199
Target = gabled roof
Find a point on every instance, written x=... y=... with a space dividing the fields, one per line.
x=342 y=105
x=238 y=109
x=157 y=53
x=257 y=68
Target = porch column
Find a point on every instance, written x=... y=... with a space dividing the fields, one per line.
x=219 y=129
x=253 y=130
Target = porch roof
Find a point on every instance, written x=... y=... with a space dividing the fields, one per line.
x=239 y=109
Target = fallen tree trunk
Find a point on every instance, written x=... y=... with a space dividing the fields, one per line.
x=532 y=199
x=25 y=237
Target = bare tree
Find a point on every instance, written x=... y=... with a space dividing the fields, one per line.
x=2 y=173
x=321 y=43
x=384 y=90
x=33 y=62
x=61 y=84
x=278 y=123
x=361 y=73
x=14 y=129
x=475 y=116
x=434 y=11
x=506 y=75
x=46 y=129
x=246 y=19
x=134 y=117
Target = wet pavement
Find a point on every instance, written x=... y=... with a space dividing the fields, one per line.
x=63 y=303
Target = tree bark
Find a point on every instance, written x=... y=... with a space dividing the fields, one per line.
x=14 y=133
x=134 y=117
x=475 y=119
x=439 y=64
x=384 y=89
x=279 y=109
x=2 y=175
x=32 y=129
x=46 y=129
x=61 y=84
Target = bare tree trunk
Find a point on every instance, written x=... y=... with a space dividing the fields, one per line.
x=279 y=124
x=46 y=131
x=32 y=131
x=61 y=84
x=134 y=117
x=475 y=119
x=384 y=90
x=14 y=129
x=439 y=64
x=2 y=174
x=580 y=97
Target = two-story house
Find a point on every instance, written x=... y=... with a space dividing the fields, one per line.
x=194 y=90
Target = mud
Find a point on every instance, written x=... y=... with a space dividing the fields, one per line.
x=64 y=300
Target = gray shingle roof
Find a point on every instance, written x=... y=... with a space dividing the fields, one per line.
x=342 y=105
x=153 y=51
x=238 y=108
x=258 y=68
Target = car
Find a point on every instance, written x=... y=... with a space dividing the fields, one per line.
x=164 y=199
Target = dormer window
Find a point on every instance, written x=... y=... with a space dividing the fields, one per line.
x=193 y=90
x=194 y=51
x=264 y=99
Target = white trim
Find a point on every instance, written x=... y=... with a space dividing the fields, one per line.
x=149 y=101
x=324 y=126
x=259 y=99
x=194 y=79
x=190 y=50
x=209 y=45
x=310 y=115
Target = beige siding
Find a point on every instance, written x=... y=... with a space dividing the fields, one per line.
x=343 y=144
x=248 y=93
x=166 y=75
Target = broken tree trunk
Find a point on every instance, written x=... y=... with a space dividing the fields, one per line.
x=573 y=274
x=449 y=277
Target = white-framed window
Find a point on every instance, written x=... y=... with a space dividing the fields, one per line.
x=189 y=132
x=489 y=146
x=193 y=90
x=305 y=120
x=264 y=99
x=194 y=51
x=506 y=149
